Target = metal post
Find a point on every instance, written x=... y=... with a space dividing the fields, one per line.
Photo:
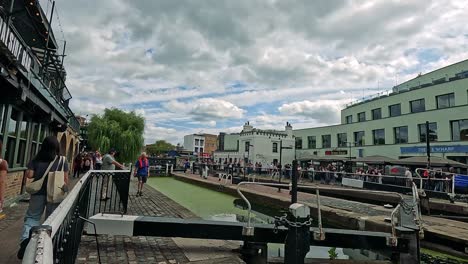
x=297 y=242
x=294 y=183
x=428 y=146
x=280 y=171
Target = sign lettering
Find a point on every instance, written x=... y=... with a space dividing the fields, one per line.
x=436 y=149
x=15 y=46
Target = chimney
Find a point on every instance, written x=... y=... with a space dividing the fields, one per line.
x=288 y=129
x=247 y=127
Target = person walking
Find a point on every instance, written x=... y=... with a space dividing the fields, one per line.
x=141 y=172
x=98 y=160
x=108 y=163
x=3 y=174
x=77 y=165
x=47 y=160
x=409 y=178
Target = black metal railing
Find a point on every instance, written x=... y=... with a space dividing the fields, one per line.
x=58 y=239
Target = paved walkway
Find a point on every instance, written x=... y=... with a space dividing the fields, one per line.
x=142 y=249
x=10 y=228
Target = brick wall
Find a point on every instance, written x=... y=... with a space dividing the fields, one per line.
x=13 y=185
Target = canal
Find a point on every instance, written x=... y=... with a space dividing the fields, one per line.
x=213 y=205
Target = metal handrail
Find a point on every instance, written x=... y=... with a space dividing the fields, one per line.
x=249 y=206
x=452 y=193
x=62 y=229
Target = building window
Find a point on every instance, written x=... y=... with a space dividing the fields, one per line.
x=196 y=149
x=247 y=146
x=361 y=117
x=432 y=132
x=349 y=119
x=275 y=147
x=359 y=138
x=202 y=142
x=197 y=142
x=459 y=130
x=394 y=110
x=298 y=142
x=311 y=142
x=342 y=139
x=326 y=141
x=417 y=106
x=376 y=113
x=23 y=135
x=379 y=136
x=201 y=150
x=12 y=135
x=401 y=134
x=445 y=100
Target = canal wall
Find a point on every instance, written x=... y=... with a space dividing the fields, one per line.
x=446 y=235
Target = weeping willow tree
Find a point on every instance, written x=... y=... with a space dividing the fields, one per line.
x=117 y=129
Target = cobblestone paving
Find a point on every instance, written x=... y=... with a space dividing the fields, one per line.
x=124 y=249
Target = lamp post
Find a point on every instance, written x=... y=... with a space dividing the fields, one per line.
x=281 y=154
x=248 y=157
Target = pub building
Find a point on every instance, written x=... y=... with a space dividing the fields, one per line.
x=34 y=99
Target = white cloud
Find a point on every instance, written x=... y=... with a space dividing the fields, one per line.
x=296 y=56
x=325 y=111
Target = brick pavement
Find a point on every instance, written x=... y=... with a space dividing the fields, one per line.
x=142 y=249
x=10 y=228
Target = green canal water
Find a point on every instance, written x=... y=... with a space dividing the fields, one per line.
x=213 y=205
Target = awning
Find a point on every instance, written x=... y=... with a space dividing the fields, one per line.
x=375 y=159
x=322 y=158
x=435 y=161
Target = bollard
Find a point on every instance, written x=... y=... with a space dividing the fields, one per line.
x=298 y=239
x=254 y=253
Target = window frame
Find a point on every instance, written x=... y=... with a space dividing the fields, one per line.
x=420 y=110
x=374 y=136
x=390 y=110
x=349 y=119
x=395 y=129
x=423 y=125
x=361 y=116
x=329 y=141
x=309 y=141
x=362 y=142
x=450 y=95
x=298 y=142
x=452 y=122
x=274 y=147
x=338 y=140
x=373 y=111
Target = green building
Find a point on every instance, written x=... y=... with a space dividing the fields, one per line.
x=393 y=124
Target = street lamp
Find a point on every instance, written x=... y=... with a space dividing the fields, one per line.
x=248 y=157
x=281 y=154
x=350 y=144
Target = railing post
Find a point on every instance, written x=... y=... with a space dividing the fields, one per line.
x=40 y=249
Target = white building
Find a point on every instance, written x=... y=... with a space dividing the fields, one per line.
x=255 y=145
x=195 y=143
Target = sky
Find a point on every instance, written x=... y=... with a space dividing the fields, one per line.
x=210 y=66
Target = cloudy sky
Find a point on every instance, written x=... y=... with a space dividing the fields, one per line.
x=209 y=66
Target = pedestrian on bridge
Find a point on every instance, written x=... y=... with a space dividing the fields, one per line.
x=108 y=163
x=47 y=161
x=142 y=172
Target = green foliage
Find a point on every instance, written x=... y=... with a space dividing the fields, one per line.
x=158 y=148
x=332 y=254
x=117 y=129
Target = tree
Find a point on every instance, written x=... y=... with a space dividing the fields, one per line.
x=117 y=129
x=158 y=148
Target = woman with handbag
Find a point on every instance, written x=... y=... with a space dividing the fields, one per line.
x=43 y=169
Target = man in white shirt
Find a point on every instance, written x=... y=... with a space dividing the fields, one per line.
x=409 y=178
